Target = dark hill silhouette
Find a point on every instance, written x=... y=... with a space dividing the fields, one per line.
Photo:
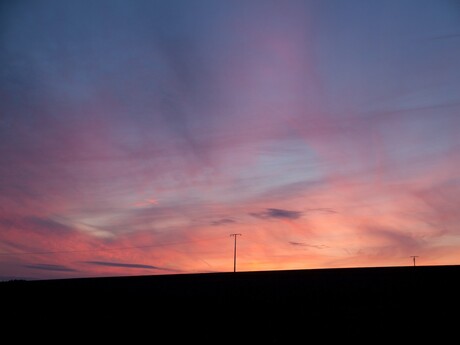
x=392 y=303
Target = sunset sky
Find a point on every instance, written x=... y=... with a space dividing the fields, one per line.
x=137 y=135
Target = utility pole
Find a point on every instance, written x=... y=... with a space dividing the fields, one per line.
x=413 y=258
x=234 y=251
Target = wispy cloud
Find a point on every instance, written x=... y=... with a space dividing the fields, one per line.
x=223 y=221
x=50 y=267
x=303 y=244
x=44 y=225
x=321 y=210
x=277 y=213
x=120 y=264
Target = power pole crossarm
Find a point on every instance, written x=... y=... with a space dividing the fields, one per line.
x=234 y=251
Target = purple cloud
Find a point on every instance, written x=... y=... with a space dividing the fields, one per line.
x=50 y=267
x=277 y=213
x=120 y=264
x=223 y=221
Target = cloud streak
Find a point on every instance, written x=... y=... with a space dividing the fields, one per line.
x=119 y=264
x=302 y=244
x=223 y=221
x=277 y=213
x=50 y=267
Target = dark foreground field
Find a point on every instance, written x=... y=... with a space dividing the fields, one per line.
x=390 y=304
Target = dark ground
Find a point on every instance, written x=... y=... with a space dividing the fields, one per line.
x=371 y=305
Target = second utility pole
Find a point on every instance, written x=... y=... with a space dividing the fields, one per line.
x=234 y=252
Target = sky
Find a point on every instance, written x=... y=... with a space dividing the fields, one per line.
x=137 y=136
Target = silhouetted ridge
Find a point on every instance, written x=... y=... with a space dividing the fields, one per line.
x=382 y=299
